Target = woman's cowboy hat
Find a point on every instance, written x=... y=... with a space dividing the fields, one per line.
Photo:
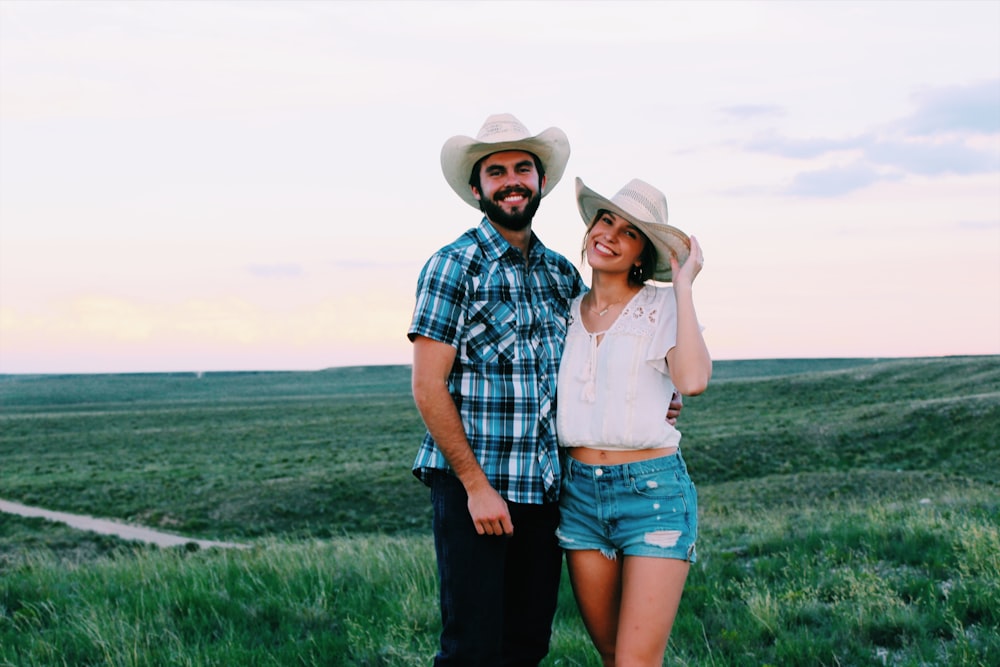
x=502 y=132
x=646 y=208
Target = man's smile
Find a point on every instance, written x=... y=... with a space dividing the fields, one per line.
x=513 y=196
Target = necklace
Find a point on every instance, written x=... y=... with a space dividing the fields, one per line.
x=602 y=313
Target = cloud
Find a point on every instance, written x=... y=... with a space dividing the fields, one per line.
x=964 y=109
x=921 y=157
x=374 y=265
x=275 y=270
x=836 y=181
x=979 y=225
x=774 y=144
x=747 y=111
x=938 y=138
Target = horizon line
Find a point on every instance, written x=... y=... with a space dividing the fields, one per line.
x=200 y=373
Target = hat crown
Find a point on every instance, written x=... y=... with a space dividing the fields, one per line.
x=642 y=200
x=500 y=128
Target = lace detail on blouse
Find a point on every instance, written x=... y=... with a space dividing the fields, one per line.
x=637 y=320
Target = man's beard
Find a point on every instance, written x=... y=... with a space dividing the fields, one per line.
x=517 y=220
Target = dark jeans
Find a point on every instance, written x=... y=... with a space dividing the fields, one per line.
x=498 y=593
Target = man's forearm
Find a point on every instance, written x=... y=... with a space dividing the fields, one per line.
x=440 y=415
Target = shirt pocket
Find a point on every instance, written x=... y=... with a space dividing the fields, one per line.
x=492 y=333
x=551 y=322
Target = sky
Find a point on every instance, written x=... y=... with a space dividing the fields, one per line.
x=206 y=186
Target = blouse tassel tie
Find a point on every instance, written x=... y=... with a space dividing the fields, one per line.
x=589 y=375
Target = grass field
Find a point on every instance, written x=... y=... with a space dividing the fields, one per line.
x=850 y=516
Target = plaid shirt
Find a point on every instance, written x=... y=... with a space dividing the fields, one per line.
x=506 y=318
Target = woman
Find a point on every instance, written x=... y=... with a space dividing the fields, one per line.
x=629 y=509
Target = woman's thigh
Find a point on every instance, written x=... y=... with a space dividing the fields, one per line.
x=651 y=595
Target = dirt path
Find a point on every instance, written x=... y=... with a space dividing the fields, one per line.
x=108 y=527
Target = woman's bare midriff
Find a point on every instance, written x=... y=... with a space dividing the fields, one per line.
x=610 y=458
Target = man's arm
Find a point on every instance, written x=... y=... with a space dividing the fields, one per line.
x=674 y=409
x=432 y=362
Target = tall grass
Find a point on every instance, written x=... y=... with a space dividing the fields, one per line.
x=854 y=584
x=352 y=601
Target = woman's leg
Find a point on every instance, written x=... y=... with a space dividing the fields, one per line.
x=596 y=583
x=650 y=595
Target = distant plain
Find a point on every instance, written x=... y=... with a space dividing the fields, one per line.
x=850 y=515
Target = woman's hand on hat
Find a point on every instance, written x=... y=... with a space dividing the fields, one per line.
x=684 y=275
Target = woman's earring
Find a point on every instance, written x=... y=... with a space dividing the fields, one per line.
x=636 y=273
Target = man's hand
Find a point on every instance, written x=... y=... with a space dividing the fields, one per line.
x=674 y=411
x=489 y=512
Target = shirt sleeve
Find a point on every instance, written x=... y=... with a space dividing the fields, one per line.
x=438 y=313
x=665 y=334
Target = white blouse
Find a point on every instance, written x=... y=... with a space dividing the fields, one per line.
x=614 y=394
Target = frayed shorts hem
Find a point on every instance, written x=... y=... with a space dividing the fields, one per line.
x=688 y=555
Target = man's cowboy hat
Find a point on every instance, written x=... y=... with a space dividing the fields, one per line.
x=646 y=208
x=502 y=132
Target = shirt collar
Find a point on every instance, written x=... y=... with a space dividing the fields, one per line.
x=495 y=245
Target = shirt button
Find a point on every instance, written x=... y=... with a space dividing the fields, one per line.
x=598 y=472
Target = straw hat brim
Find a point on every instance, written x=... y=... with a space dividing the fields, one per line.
x=460 y=154
x=666 y=239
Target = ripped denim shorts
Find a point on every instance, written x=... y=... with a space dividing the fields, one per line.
x=646 y=508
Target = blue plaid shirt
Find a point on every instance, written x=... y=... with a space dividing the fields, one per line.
x=506 y=318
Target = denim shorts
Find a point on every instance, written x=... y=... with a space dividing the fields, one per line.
x=646 y=508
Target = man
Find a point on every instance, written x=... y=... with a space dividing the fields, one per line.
x=487 y=332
